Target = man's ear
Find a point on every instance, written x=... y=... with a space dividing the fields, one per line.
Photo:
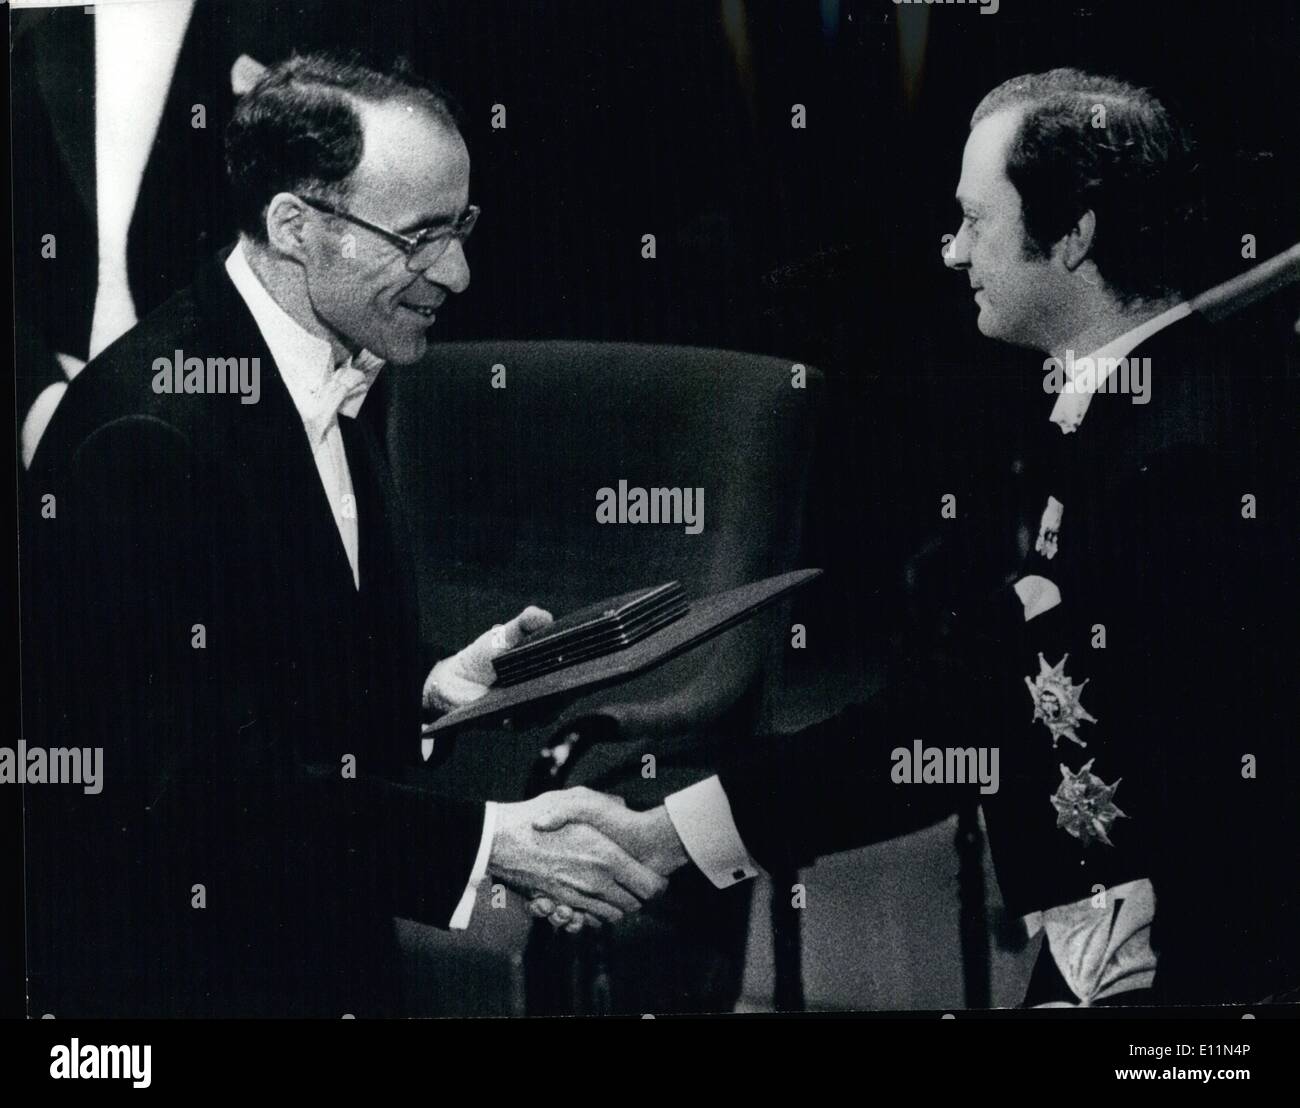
x=1075 y=247
x=286 y=217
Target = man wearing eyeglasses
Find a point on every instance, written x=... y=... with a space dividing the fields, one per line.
x=218 y=595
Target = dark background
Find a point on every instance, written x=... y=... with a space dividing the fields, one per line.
x=820 y=245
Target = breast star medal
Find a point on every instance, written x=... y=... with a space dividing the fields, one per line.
x=1056 y=701
x=1084 y=804
x=1049 y=528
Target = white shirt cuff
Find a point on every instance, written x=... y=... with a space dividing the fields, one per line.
x=701 y=815
x=465 y=909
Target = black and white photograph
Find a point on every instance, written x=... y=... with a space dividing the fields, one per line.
x=678 y=508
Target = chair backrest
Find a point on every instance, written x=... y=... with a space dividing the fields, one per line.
x=499 y=450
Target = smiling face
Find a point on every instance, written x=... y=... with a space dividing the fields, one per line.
x=414 y=174
x=1020 y=298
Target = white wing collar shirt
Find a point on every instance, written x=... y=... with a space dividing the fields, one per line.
x=320 y=389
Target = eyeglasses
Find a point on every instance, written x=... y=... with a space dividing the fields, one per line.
x=423 y=249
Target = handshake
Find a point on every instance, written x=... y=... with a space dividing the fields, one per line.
x=582 y=857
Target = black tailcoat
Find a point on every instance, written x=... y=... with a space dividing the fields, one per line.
x=189 y=607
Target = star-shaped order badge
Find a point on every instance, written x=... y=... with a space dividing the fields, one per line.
x=1085 y=805
x=1056 y=701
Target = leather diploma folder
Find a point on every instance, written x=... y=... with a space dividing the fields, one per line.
x=701 y=621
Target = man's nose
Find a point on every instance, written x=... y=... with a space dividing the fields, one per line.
x=451 y=270
x=956 y=250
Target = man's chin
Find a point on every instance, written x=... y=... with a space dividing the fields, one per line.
x=993 y=326
x=408 y=351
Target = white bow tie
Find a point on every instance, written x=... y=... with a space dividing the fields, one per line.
x=343 y=393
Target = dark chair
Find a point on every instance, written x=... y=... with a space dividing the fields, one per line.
x=498 y=449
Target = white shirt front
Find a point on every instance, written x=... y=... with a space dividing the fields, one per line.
x=321 y=391
x=316 y=385
x=136 y=50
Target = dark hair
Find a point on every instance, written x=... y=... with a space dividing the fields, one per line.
x=1089 y=142
x=297 y=129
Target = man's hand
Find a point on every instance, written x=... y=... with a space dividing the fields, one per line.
x=465 y=677
x=648 y=836
x=547 y=847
